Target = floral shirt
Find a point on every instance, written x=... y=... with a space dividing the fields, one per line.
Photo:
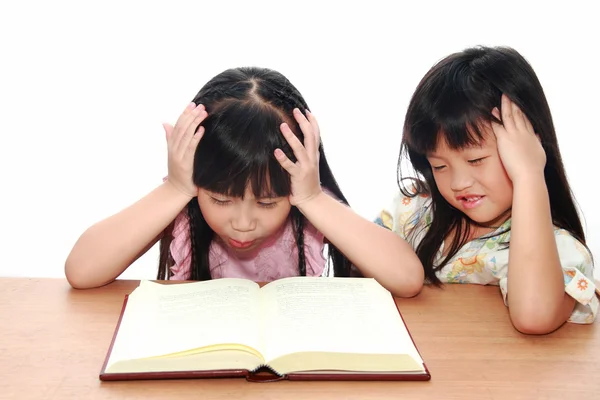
x=485 y=260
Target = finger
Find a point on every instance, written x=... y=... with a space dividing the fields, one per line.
x=168 y=130
x=496 y=113
x=193 y=145
x=191 y=130
x=524 y=122
x=186 y=112
x=498 y=129
x=316 y=129
x=294 y=142
x=181 y=121
x=306 y=127
x=184 y=129
x=507 y=115
x=529 y=126
x=519 y=118
x=285 y=162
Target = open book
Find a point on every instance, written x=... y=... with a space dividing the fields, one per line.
x=294 y=328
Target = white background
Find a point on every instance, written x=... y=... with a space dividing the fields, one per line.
x=84 y=87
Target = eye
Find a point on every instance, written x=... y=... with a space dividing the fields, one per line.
x=476 y=161
x=438 y=167
x=220 y=202
x=264 y=204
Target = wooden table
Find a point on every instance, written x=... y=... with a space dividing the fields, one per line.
x=54 y=340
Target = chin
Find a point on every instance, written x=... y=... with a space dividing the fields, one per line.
x=490 y=221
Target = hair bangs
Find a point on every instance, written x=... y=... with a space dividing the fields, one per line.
x=453 y=106
x=236 y=151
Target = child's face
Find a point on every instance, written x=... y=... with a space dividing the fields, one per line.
x=243 y=224
x=473 y=180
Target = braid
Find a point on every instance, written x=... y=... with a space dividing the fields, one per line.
x=165 y=259
x=211 y=95
x=298 y=225
x=200 y=239
x=230 y=85
x=281 y=97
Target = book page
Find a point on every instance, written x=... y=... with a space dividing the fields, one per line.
x=164 y=319
x=347 y=315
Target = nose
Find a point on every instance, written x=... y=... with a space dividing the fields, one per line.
x=243 y=221
x=461 y=179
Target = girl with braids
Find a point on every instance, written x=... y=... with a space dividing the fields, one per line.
x=249 y=194
x=492 y=204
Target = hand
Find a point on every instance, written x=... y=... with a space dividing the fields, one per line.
x=305 y=172
x=519 y=147
x=182 y=141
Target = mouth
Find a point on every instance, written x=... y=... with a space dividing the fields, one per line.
x=240 y=245
x=470 y=201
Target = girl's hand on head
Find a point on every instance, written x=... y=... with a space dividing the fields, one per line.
x=182 y=141
x=519 y=147
x=305 y=172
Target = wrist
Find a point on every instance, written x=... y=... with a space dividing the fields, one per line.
x=529 y=178
x=175 y=190
x=307 y=204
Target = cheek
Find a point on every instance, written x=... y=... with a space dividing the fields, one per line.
x=271 y=220
x=214 y=215
x=442 y=181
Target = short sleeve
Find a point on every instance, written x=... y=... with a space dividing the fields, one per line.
x=403 y=214
x=578 y=273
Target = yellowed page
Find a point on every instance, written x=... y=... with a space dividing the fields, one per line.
x=165 y=319
x=347 y=315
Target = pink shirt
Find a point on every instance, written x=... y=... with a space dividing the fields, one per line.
x=276 y=258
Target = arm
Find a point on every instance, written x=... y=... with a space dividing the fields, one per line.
x=537 y=300
x=538 y=303
x=107 y=248
x=377 y=252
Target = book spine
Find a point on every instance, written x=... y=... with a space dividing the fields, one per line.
x=264 y=373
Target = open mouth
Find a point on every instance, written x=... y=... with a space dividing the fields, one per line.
x=470 y=201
